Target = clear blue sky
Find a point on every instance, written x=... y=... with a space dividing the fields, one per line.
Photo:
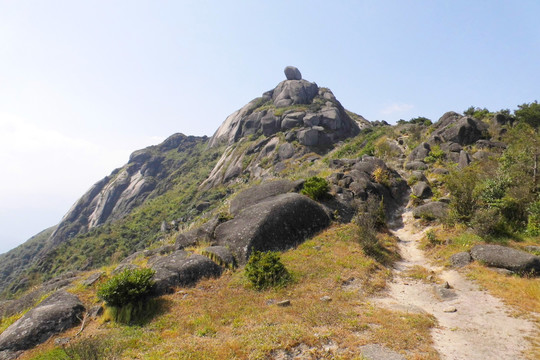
x=83 y=84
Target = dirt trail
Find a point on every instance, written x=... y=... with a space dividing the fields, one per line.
x=482 y=327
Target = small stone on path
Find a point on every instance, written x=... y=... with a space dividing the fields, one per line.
x=450 y=309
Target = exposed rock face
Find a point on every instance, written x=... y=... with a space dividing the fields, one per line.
x=258 y=193
x=117 y=194
x=57 y=313
x=292 y=73
x=507 y=258
x=294 y=92
x=299 y=109
x=276 y=223
x=12 y=307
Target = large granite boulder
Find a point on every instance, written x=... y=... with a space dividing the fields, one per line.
x=276 y=223
x=506 y=258
x=420 y=152
x=258 y=193
x=57 y=313
x=203 y=233
x=182 y=269
x=464 y=131
x=291 y=92
x=292 y=73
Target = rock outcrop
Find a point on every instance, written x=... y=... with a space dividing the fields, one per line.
x=506 y=258
x=57 y=313
x=182 y=269
x=276 y=223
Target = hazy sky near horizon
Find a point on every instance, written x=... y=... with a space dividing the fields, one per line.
x=84 y=84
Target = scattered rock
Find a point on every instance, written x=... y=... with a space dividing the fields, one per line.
x=507 y=258
x=92 y=279
x=292 y=73
x=464 y=159
x=422 y=190
x=460 y=259
x=420 y=152
x=326 y=298
x=450 y=309
x=57 y=313
x=379 y=352
x=284 y=303
x=62 y=341
x=416 y=165
x=435 y=210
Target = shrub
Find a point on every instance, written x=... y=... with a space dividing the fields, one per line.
x=436 y=154
x=316 y=188
x=265 y=270
x=128 y=287
x=432 y=237
x=369 y=219
x=382 y=176
x=487 y=222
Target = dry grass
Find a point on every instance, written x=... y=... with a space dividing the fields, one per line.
x=225 y=319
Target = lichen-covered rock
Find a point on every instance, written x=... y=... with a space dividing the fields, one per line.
x=57 y=313
x=507 y=258
x=277 y=223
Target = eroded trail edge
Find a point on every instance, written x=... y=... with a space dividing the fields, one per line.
x=472 y=324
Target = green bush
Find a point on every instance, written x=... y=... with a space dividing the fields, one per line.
x=369 y=219
x=533 y=223
x=436 y=154
x=316 y=188
x=128 y=287
x=265 y=270
x=487 y=222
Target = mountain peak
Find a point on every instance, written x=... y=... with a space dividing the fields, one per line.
x=297 y=107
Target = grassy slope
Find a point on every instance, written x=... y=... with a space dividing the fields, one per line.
x=224 y=318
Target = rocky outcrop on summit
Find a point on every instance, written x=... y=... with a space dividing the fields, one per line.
x=117 y=194
x=292 y=73
x=263 y=115
x=306 y=116
x=57 y=313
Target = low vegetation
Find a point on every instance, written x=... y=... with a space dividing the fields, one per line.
x=316 y=188
x=265 y=270
x=127 y=295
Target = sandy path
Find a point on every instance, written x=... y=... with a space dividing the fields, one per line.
x=481 y=328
